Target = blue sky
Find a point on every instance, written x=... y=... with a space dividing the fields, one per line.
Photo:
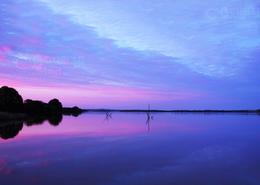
x=111 y=53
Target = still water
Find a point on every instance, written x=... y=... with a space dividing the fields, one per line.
x=126 y=149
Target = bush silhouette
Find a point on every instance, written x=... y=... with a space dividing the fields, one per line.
x=35 y=111
x=55 y=119
x=73 y=111
x=11 y=129
x=10 y=100
x=55 y=105
x=35 y=107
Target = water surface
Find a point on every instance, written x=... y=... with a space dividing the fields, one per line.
x=125 y=149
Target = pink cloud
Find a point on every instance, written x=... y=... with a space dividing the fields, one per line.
x=2 y=58
x=96 y=95
x=102 y=95
x=42 y=57
x=31 y=40
x=4 y=49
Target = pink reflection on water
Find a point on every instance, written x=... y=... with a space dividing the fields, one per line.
x=87 y=125
x=4 y=169
x=96 y=125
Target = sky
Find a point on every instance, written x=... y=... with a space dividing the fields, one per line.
x=182 y=54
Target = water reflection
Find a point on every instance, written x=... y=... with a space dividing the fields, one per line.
x=149 y=119
x=180 y=149
x=108 y=116
x=10 y=128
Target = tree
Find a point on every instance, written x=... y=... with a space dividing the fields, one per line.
x=10 y=100
x=35 y=107
x=55 y=105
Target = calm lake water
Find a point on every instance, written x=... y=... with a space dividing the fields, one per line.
x=174 y=149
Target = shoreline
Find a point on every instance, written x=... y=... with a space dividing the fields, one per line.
x=66 y=111
x=169 y=111
x=5 y=116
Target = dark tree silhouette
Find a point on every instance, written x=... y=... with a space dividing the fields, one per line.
x=35 y=120
x=11 y=129
x=73 y=111
x=31 y=112
x=55 y=119
x=10 y=100
x=55 y=105
x=35 y=112
x=40 y=111
x=34 y=107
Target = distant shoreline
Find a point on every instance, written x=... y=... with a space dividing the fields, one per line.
x=174 y=111
x=70 y=111
x=12 y=106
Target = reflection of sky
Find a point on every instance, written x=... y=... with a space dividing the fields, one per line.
x=183 y=54
x=179 y=149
